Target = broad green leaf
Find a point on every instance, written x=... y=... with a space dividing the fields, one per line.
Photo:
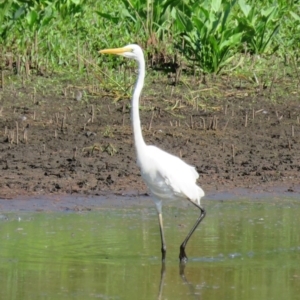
x=183 y=21
x=226 y=13
x=295 y=16
x=267 y=12
x=126 y=13
x=233 y=40
x=32 y=17
x=205 y=12
x=173 y=13
x=46 y=21
x=245 y=7
x=198 y=24
x=216 y=23
x=19 y=12
x=215 y=5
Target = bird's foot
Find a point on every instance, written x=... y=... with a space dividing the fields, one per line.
x=182 y=263
x=182 y=256
x=183 y=260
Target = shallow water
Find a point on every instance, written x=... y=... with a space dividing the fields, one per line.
x=242 y=250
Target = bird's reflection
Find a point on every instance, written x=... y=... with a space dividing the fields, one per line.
x=191 y=287
x=162 y=280
x=186 y=282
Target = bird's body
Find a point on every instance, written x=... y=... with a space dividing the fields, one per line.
x=166 y=176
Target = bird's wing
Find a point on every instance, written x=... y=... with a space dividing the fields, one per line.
x=171 y=174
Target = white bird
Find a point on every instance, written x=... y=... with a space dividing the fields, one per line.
x=167 y=176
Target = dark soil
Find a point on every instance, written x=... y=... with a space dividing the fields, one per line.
x=235 y=136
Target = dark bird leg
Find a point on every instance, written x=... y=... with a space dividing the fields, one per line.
x=182 y=255
x=163 y=243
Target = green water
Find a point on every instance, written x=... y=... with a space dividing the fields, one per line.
x=242 y=250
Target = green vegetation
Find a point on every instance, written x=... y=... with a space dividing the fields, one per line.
x=207 y=37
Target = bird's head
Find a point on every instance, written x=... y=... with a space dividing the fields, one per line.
x=130 y=51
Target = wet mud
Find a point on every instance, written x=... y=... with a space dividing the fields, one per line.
x=55 y=143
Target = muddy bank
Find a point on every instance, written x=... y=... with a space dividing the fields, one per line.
x=53 y=144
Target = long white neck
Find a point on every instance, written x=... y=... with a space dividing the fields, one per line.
x=135 y=115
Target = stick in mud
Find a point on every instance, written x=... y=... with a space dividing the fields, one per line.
x=150 y=123
x=93 y=114
x=2 y=79
x=246 y=119
x=17 y=131
x=25 y=135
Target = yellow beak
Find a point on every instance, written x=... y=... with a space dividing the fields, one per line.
x=118 y=51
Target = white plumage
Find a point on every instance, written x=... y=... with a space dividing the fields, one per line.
x=166 y=175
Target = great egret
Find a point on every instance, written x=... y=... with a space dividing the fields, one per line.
x=166 y=176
